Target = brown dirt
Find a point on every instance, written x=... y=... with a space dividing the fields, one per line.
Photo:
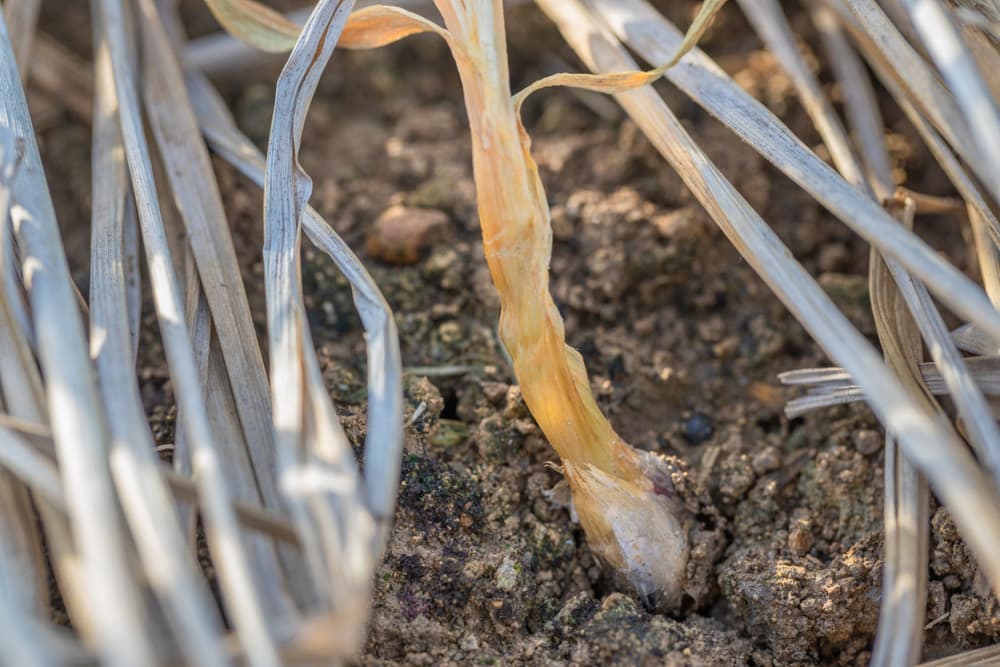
x=683 y=343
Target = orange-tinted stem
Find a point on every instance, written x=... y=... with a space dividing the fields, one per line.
x=517 y=239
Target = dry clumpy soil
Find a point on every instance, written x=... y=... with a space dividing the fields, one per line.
x=683 y=343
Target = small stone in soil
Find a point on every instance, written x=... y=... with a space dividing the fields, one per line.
x=766 y=460
x=401 y=235
x=698 y=428
x=868 y=441
x=800 y=538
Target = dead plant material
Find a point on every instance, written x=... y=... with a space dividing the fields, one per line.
x=295 y=526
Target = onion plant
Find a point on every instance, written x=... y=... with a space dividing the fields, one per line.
x=294 y=527
x=624 y=497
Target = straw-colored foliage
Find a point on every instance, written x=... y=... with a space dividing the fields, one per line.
x=295 y=528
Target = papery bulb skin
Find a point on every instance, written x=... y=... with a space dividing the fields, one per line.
x=644 y=530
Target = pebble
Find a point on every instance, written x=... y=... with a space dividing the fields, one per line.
x=766 y=460
x=800 y=540
x=736 y=476
x=495 y=392
x=698 y=428
x=506 y=575
x=868 y=441
x=768 y=395
x=450 y=332
x=401 y=235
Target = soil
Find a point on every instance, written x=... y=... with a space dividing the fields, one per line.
x=683 y=343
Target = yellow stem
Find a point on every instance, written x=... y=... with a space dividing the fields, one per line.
x=517 y=239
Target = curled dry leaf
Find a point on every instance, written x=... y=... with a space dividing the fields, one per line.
x=255 y=24
x=267 y=30
x=381 y=25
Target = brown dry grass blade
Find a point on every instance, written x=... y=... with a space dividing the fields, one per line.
x=24 y=396
x=22 y=642
x=316 y=465
x=31 y=456
x=955 y=61
x=770 y=24
x=200 y=329
x=701 y=23
x=22 y=23
x=900 y=632
x=904 y=580
x=379 y=25
x=970 y=403
x=641 y=27
x=23 y=541
x=980 y=657
x=80 y=435
x=256 y=24
x=883 y=41
x=220 y=55
x=904 y=576
x=384 y=436
x=199 y=203
x=145 y=499
x=273 y=572
x=928 y=441
x=222 y=528
x=861 y=105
